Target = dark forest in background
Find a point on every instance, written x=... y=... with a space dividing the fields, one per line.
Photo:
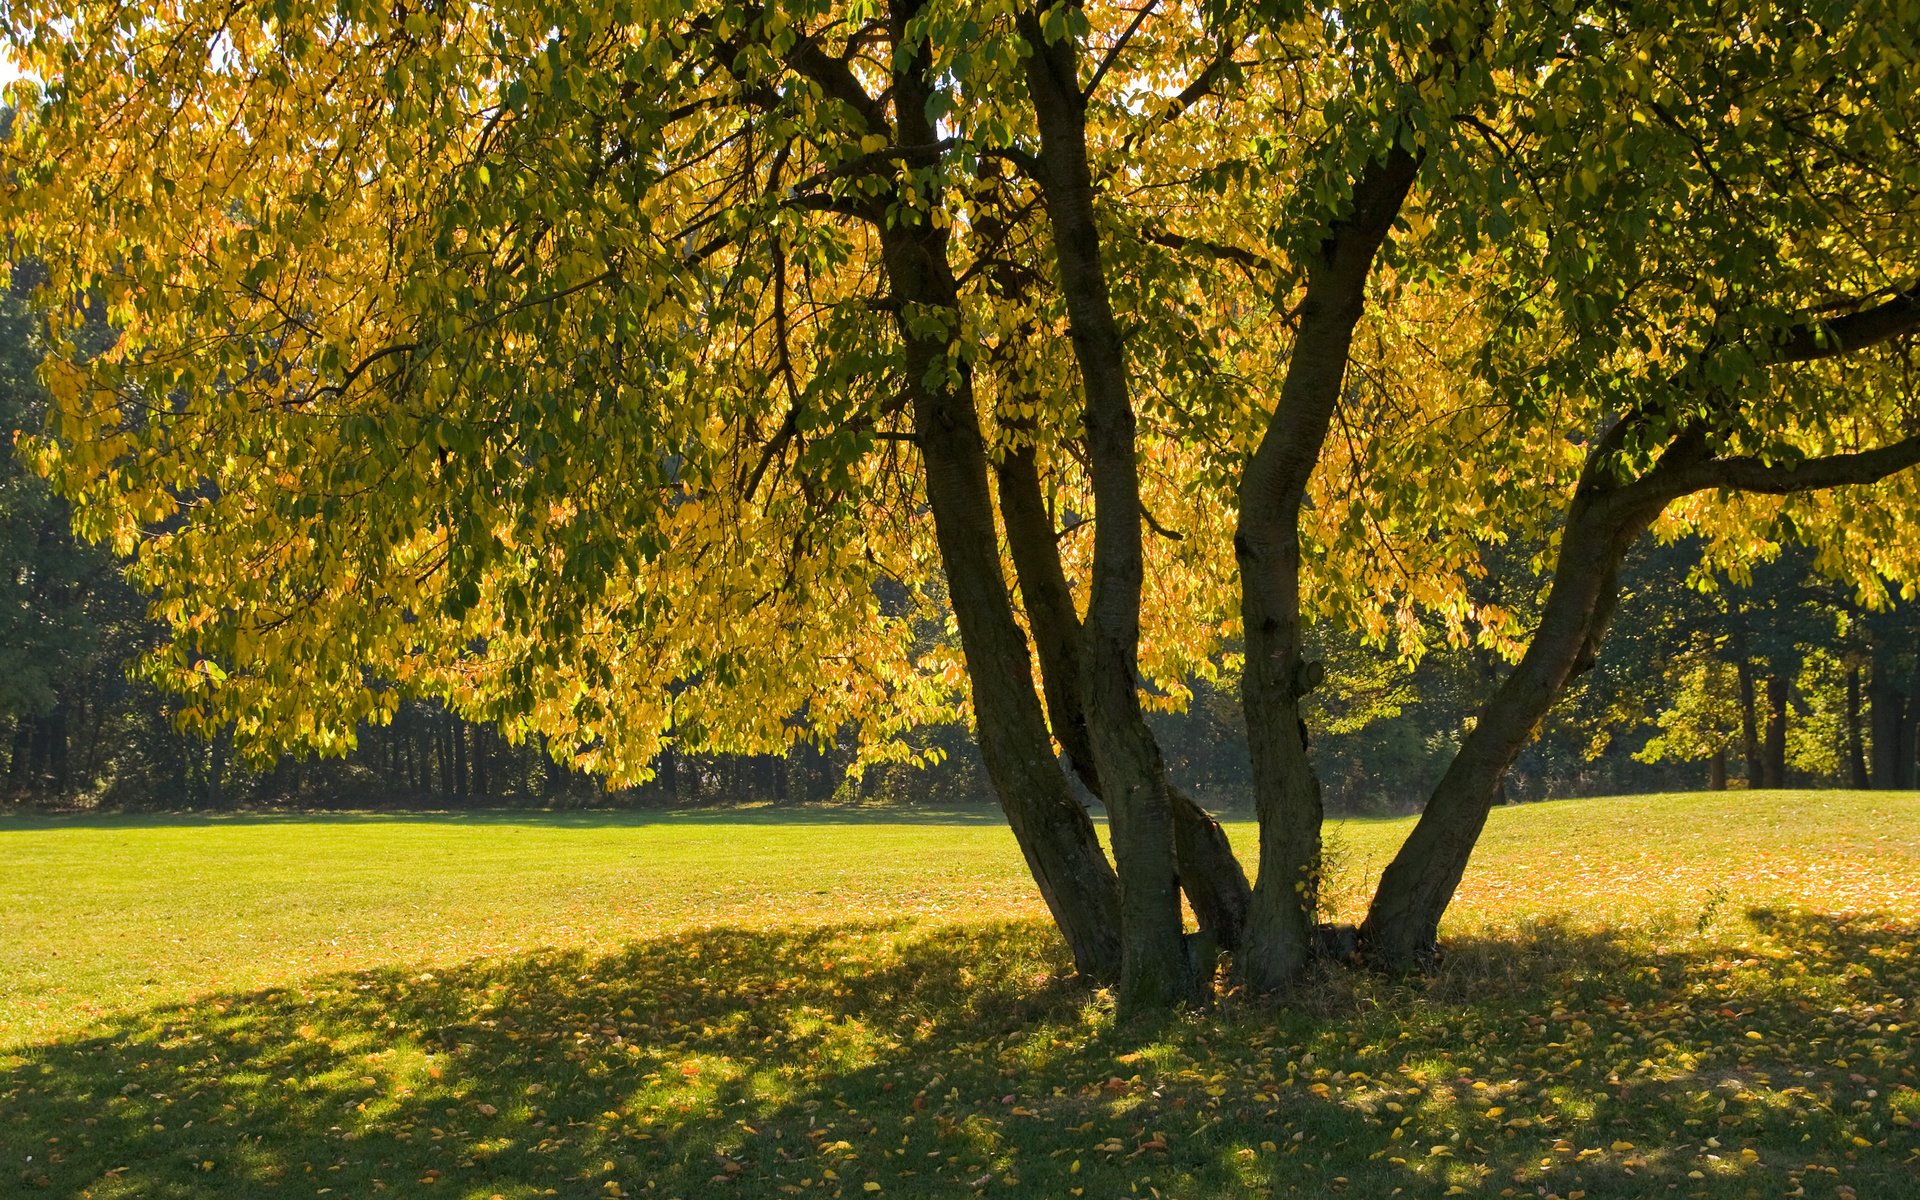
x=1780 y=681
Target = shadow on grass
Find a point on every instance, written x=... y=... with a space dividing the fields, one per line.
x=904 y=1060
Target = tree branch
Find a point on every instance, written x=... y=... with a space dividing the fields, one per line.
x=1179 y=242
x=1815 y=338
x=1751 y=474
x=1113 y=52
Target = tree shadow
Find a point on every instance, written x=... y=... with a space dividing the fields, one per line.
x=955 y=1061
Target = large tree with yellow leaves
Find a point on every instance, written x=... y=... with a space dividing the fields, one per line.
x=631 y=371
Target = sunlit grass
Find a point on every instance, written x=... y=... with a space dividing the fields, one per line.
x=1692 y=996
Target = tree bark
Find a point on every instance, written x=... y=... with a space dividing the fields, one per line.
x=1155 y=970
x=1267 y=547
x=457 y=732
x=1773 y=766
x=1215 y=884
x=57 y=750
x=1749 y=718
x=1603 y=519
x=217 y=798
x=1403 y=921
x=17 y=766
x=1133 y=786
x=1856 y=741
x=1717 y=770
x=1055 y=834
x=669 y=774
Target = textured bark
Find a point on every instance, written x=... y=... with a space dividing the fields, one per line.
x=1215 y=884
x=1279 y=937
x=1749 y=719
x=1856 y=737
x=1212 y=877
x=1403 y=922
x=1055 y=834
x=1155 y=970
x=1604 y=518
x=1773 y=765
x=1047 y=598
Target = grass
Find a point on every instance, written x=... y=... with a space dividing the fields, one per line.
x=1699 y=996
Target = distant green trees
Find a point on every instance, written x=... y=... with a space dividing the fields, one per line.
x=67 y=619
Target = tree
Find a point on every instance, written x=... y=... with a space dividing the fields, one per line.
x=617 y=375
x=1763 y=364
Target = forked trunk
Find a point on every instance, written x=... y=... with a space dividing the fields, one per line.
x=1055 y=834
x=1215 y=884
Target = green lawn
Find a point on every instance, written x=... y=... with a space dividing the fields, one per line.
x=1701 y=996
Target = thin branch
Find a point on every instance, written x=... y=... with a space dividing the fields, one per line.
x=1113 y=52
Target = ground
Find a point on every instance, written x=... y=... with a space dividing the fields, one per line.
x=1690 y=996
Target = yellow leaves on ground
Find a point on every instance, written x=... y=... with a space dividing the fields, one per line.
x=839 y=1029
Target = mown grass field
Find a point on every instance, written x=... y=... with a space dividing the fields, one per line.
x=1699 y=996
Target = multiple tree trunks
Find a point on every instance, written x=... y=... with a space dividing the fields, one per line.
x=1891 y=718
x=41 y=754
x=1155 y=970
x=1127 y=932
x=1055 y=834
x=1214 y=882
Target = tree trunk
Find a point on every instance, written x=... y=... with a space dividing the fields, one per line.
x=57 y=750
x=18 y=765
x=1267 y=547
x=1749 y=718
x=443 y=740
x=1717 y=770
x=1155 y=967
x=1403 y=922
x=1215 y=884
x=1909 y=770
x=1773 y=767
x=217 y=798
x=1856 y=741
x=669 y=774
x=482 y=767
x=1055 y=834
x=458 y=731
